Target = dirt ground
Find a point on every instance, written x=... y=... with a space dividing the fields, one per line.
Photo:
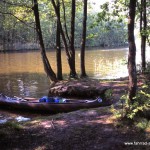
x=88 y=129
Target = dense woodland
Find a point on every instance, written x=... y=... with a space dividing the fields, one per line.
x=41 y=24
x=17 y=25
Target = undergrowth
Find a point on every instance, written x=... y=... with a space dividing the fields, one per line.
x=136 y=112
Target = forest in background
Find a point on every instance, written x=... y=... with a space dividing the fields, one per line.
x=17 y=25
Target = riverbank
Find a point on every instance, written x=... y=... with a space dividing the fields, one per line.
x=83 y=129
x=88 y=129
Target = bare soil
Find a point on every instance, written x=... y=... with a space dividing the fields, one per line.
x=88 y=129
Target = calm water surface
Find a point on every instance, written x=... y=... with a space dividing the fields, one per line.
x=22 y=74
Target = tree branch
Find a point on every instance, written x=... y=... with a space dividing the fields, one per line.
x=7 y=13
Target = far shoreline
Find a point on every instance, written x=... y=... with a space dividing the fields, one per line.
x=88 y=48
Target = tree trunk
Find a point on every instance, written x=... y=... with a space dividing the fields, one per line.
x=58 y=47
x=132 y=52
x=68 y=53
x=47 y=67
x=72 y=49
x=143 y=25
x=64 y=17
x=83 y=72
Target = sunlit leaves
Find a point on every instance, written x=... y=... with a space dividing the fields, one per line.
x=102 y=29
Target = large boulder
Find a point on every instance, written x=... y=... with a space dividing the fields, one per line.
x=81 y=88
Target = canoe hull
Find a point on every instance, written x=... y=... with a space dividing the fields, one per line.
x=51 y=107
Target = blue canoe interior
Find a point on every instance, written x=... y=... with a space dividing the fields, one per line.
x=32 y=104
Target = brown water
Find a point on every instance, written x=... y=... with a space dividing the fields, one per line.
x=22 y=74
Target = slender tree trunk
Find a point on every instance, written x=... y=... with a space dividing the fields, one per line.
x=47 y=67
x=72 y=49
x=63 y=38
x=64 y=17
x=3 y=18
x=132 y=52
x=58 y=47
x=83 y=72
x=143 y=25
x=61 y=30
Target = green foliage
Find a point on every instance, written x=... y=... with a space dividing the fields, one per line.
x=111 y=26
x=147 y=67
x=140 y=104
x=143 y=124
x=147 y=70
x=13 y=126
x=109 y=93
x=145 y=32
x=116 y=112
x=92 y=35
x=19 y=34
x=106 y=33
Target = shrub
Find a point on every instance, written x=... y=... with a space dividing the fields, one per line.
x=140 y=105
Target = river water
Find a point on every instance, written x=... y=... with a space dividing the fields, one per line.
x=22 y=73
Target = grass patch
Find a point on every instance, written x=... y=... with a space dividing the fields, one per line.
x=12 y=125
x=9 y=128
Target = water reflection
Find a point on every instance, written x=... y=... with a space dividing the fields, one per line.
x=100 y=62
x=22 y=74
x=24 y=84
x=107 y=64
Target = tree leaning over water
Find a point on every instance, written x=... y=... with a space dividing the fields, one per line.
x=47 y=67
